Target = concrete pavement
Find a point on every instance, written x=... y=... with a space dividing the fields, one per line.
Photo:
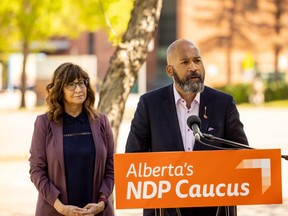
x=265 y=128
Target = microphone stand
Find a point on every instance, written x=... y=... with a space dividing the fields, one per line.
x=231 y=143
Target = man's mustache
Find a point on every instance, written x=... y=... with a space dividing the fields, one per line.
x=194 y=74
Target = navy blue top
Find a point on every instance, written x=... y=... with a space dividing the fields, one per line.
x=79 y=158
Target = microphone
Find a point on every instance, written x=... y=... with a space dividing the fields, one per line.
x=194 y=123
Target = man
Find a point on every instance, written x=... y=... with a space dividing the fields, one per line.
x=159 y=122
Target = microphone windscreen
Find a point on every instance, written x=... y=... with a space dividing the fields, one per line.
x=193 y=120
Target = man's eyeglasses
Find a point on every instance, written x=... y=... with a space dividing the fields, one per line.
x=72 y=85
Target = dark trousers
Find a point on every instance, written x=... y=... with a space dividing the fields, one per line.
x=199 y=211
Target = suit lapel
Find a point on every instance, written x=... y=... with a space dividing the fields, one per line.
x=96 y=133
x=169 y=110
x=57 y=130
x=204 y=113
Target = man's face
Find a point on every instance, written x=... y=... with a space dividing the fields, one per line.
x=187 y=69
x=193 y=82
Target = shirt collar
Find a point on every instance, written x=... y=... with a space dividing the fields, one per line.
x=82 y=117
x=178 y=97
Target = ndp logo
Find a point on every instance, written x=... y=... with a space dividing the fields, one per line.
x=264 y=165
x=206 y=178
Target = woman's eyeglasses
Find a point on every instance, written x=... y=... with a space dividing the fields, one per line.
x=72 y=85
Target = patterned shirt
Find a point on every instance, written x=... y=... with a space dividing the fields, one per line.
x=79 y=158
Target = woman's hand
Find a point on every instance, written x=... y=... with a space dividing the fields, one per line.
x=69 y=210
x=91 y=209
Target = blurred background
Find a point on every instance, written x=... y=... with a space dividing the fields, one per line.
x=243 y=43
x=240 y=41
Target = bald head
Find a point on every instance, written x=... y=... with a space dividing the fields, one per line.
x=177 y=47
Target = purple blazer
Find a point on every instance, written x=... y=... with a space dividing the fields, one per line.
x=47 y=163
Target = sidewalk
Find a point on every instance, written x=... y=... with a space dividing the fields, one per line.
x=265 y=128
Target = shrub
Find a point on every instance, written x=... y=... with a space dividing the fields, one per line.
x=277 y=90
x=240 y=92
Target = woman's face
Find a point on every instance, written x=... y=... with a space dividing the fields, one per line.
x=75 y=92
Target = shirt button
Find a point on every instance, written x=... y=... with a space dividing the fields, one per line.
x=188 y=129
x=188 y=149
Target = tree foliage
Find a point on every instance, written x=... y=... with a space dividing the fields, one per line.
x=35 y=20
x=109 y=15
x=30 y=21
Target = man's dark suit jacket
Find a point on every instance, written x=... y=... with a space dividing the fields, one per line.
x=47 y=169
x=155 y=128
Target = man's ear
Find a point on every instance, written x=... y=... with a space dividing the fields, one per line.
x=169 y=70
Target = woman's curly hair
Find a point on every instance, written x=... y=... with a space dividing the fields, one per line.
x=64 y=74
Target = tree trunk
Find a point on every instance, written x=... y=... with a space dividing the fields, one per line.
x=127 y=59
x=228 y=63
x=276 y=50
x=277 y=45
x=25 y=51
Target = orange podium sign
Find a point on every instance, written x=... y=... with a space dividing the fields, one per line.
x=200 y=178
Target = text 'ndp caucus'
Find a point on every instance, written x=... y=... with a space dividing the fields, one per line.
x=185 y=187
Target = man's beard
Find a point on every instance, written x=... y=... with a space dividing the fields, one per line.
x=186 y=85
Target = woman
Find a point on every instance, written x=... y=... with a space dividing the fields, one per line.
x=71 y=154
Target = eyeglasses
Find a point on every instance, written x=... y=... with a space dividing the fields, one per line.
x=72 y=85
